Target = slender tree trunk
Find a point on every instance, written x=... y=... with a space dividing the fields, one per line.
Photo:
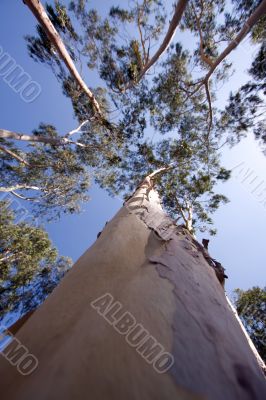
x=144 y=266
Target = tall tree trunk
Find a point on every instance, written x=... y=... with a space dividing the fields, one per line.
x=143 y=263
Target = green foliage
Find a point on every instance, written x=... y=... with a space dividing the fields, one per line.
x=29 y=264
x=251 y=307
x=188 y=185
x=245 y=111
x=118 y=149
x=59 y=178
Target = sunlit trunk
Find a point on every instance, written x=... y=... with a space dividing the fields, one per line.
x=143 y=283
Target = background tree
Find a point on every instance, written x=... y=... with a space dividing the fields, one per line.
x=49 y=176
x=29 y=264
x=251 y=307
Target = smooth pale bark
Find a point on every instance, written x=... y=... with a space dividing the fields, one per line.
x=18 y=187
x=258 y=13
x=60 y=141
x=39 y=12
x=13 y=155
x=158 y=274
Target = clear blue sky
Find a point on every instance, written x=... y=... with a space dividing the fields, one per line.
x=240 y=242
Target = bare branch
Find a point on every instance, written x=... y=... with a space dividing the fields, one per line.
x=39 y=12
x=77 y=129
x=14 y=155
x=179 y=10
x=24 y=197
x=61 y=141
x=18 y=187
x=251 y=21
x=248 y=25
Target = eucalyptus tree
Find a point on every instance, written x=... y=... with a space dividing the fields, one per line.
x=146 y=276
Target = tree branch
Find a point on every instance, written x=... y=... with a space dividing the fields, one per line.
x=23 y=197
x=251 y=21
x=140 y=13
x=203 y=56
x=77 y=129
x=18 y=187
x=179 y=10
x=14 y=155
x=39 y=12
x=61 y=141
x=206 y=84
x=248 y=25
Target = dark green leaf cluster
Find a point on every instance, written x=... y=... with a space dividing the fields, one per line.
x=29 y=265
x=251 y=307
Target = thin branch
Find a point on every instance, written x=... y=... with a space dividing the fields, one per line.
x=203 y=56
x=14 y=155
x=179 y=10
x=140 y=13
x=24 y=197
x=61 y=141
x=181 y=211
x=39 y=12
x=251 y=21
x=248 y=25
x=77 y=129
x=206 y=84
x=18 y=187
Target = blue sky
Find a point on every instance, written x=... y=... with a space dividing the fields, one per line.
x=240 y=242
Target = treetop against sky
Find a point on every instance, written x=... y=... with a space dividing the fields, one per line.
x=148 y=85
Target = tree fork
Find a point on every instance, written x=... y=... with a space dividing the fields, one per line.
x=179 y=10
x=157 y=273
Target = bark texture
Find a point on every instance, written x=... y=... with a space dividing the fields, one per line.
x=158 y=274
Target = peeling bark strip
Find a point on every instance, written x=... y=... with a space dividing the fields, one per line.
x=125 y=324
x=145 y=203
x=38 y=10
x=160 y=275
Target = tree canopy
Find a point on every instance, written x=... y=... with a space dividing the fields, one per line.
x=151 y=83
